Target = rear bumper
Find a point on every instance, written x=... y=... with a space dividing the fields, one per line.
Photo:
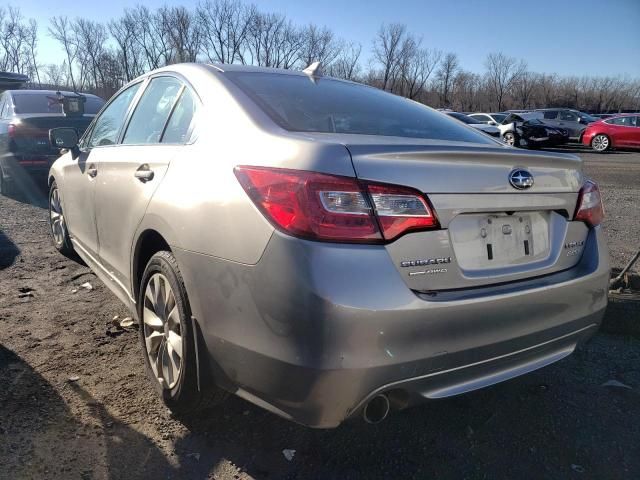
x=314 y=330
x=15 y=167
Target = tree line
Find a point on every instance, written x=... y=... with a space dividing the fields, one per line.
x=100 y=57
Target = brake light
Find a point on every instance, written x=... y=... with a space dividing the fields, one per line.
x=590 y=209
x=334 y=208
x=11 y=130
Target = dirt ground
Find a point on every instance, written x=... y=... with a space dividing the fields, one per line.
x=75 y=402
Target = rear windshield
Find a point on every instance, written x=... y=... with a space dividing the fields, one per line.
x=298 y=103
x=48 y=103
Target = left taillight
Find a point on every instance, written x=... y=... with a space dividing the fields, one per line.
x=334 y=208
x=590 y=209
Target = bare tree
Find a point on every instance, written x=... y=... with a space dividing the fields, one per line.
x=388 y=50
x=89 y=38
x=182 y=34
x=224 y=26
x=445 y=76
x=523 y=88
x=123 y=31
x=417 y=66
x=347 y=64
x=62 y=31
x=273 y=41
x=502 y=73
x=318 y=45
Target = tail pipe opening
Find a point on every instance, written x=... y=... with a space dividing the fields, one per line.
x=376 y=409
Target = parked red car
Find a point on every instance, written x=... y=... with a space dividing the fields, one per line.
x=619 y=131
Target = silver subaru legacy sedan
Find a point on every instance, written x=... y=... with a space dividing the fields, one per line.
x=322 y=248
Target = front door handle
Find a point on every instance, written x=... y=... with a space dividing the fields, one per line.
x=144 y=173
x=92 y=171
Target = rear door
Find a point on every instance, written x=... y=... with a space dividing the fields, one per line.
x=80 y=175
x=621 y=131
x=158 y=127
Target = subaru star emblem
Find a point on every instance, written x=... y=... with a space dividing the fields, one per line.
x=520 y=179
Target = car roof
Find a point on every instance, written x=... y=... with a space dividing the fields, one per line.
x=48 y=92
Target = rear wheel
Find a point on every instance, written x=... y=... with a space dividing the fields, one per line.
x=600 y=143
x=167 y=338
x=57 y=223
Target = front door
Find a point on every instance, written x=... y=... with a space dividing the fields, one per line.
x=129 y=178
x=82 y=175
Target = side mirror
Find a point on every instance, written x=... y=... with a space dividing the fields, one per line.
x=65 y=138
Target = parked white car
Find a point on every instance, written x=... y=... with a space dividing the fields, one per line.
x=489 y=118
x=488 y=129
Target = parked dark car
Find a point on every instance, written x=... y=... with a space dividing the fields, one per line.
x=530 y=131
x=25 y=119
x=573 y=121
x=620 y=131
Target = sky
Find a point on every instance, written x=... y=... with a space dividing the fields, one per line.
x=567 y=37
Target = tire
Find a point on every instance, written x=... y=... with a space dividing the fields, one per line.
x=600 y=143
x=159 y=332
x=510 y=139
x=57 y=223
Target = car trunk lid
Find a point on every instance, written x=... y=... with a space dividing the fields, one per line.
x=491 y=232
x=30 y=135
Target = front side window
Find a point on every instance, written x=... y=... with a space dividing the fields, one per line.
x=499 y=117
x=108 y=124
x=325 y=105
x=151 y=114
x=179 y=124
x=550 y=114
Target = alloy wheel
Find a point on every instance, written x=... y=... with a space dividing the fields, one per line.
x=162 y=331
x=600 y=143
x=509 y=139
x=56 y=218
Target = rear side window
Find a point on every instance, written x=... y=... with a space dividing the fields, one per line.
x=623 y=121
x=550 y=114
x=298 y=103
x=108 y=124
x=151 y=114
x=180 y=122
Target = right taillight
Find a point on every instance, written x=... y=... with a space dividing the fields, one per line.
x=590 y=209
x=326 y=207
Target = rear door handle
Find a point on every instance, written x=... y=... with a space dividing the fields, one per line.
x=144 y=173
x=92 y=171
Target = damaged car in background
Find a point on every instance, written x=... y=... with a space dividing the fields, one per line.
x=529 y=130
x=325 y=249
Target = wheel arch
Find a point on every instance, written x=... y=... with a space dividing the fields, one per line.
x=149 y=242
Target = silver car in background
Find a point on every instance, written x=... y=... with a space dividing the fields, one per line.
x=322 y=248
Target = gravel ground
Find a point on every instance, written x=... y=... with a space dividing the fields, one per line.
x=76 y=402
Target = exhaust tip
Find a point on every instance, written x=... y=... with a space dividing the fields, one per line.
x=376 y=409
